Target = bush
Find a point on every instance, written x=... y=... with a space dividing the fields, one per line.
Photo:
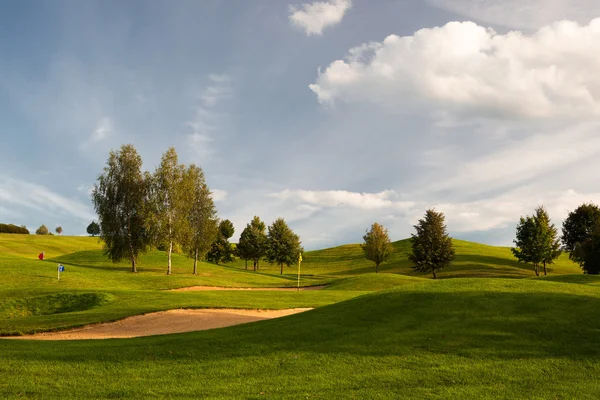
x=42 y=230
x=10 y=228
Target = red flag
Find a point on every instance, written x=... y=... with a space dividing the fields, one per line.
x=41 y=256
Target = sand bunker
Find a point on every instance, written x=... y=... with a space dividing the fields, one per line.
x=194 y=288
x=164 y=322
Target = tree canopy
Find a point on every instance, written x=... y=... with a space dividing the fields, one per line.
x=284 y=246
x=579 y=226
x=536 y=240
x=202 y=215
x=377 y=245
x=59 y=230
x=221 y=250
x=253 y=242
x=42 y=230
x=119 y=198
x=432 y=247
x=93 y=229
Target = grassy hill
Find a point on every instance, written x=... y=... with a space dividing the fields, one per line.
x=395 y=334
x=460 y=338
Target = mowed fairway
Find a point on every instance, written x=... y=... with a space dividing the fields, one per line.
x=370 y=335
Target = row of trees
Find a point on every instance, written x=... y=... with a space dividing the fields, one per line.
x=10 y=228
x=537 y=239
x=169 y=208
x=277 y=244
x=43 y=230
x=431 y=245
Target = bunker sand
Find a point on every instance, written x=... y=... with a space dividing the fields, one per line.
x=164 y=322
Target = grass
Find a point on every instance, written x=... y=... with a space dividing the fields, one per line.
x=395 y=334
x=463 y=338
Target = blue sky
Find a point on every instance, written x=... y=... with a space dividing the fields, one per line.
x=331 y=114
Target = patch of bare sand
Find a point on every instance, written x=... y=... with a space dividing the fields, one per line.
x=164 y=322
x=200 y=288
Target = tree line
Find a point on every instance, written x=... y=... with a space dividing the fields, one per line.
x=537 y=241
x=10 y=228
x=172 y=209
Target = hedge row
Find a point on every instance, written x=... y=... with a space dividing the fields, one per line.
x=10 y=228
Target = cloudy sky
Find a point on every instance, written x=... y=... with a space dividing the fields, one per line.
x=331 y=114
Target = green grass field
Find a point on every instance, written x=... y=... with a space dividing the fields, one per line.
x=392 y=335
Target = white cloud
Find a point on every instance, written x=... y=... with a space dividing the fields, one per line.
x=39 y=198
x=103 y=129
x=464 y=68
x=207 y=117
x=342 y=198
x=315 y=17
x=219 y=195
x=530 y=14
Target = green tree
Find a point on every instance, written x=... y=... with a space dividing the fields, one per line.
x=253 y=242
x=202 y=215
x=432 y=248
x=284 y=245
x=169 y=204
x=590 y=254
x=221 y=250
x=550 y=242
x=577 y=228
x=119 y=198
x=377 y=245
x=93 y=229
x=59 y=230
x=42 y=230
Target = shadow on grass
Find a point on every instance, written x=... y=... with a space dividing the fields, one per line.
x=490 y=325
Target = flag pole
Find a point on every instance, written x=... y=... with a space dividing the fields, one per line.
x=299 y=261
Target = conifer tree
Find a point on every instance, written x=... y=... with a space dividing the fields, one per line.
x=432 y=248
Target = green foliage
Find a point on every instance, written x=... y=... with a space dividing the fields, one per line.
x=59 y=230
x=536 y=240
x=432 y=248
x=253 y=242
x=93 y=229
x=42 y=230
x=377 y=245
x=578 y=227
x=169 y=204
x=590 y=253
x=119 y=198
x=283 y=245
x=202 y=215
x=10 y=228
x=221 y=250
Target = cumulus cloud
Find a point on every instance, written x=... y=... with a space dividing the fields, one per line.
x=467 y=69
x=530 y=14
x=342 y=198
x=219 y=195
x=315 y=17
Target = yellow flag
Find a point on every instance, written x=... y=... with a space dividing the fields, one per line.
x=300 y=257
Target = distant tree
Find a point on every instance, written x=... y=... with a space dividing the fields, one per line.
x=550 y=241
x=284 y=245
x=590 y=253
x=377 y=245
x=253 y=242
x=168 y=218
x=93 y=229
x=432 y=248
x=528 y=247
x=578 y=228
x=11 y=228
x=119 y=198
x=58 y=230
x=202 y=215
x=42 y=230
x=221 y=250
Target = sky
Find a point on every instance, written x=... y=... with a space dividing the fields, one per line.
x=330 y=114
